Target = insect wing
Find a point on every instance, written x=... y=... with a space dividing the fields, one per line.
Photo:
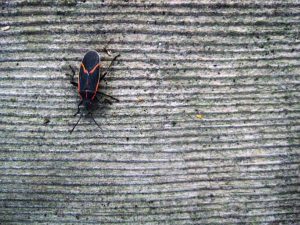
x=89 y=72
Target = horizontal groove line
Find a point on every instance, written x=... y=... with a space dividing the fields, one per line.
x=51 y=59
x=151 y=43
x=172 y=175
x=123 y=115
x=188 y=117
x=263 y=80
x=74 y=152
x=167 y=33
x=162 y=86
x=202 y=125
x=60 y=108
x=52 y=184
x=154 y=88
x=69 y=99
x=164 y=212
x=144 y=161
x=239 y=93
x=160 y=5
x=187 y=151
x=224 y=134
x=119 y=12
x=134 y=106
x=143 y=51
x=207 y=87
x=161 y=213
x=151 y=193
x=203 y=197
x=132 y=77
x=72 y=99
x=148 y=22
x=176 y=210
x=288 y=125
x=190 y=68
x=144 y=143
x=134 y=86
x=236 y=101
x=151 y=183
x=215 y=203
x=158 y=221
x=249 y=165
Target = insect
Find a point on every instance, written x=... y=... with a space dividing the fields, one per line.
x=88 y=83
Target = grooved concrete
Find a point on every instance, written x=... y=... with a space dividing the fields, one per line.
x=207 y=130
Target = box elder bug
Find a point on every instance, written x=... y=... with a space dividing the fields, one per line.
x=88 y=83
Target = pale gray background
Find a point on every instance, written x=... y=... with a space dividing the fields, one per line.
x=235 y=65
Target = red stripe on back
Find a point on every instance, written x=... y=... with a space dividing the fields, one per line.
x=93 y=70
x=84 y=69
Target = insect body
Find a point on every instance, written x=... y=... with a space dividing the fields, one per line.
x=89 y=78
x=88 y=83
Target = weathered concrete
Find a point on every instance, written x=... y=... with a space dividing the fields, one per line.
x=207 y=130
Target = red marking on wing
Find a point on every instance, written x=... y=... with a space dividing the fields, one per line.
x=89 y=73
x=95 y=91
x=93 y=70
x=84 y=69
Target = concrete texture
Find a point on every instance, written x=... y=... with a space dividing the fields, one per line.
x=207 y=130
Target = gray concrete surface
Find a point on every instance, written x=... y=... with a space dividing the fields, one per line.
x=207 y=130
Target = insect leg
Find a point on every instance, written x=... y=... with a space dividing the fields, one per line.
x=97 y=99
x=105 y=101
x=76 y=124
x=73 y=71
x=108 y=101
x=75 y=84
x=106 y=71
x=105 y=47
x=72 y=76
x=78 y=110
x=106 y=95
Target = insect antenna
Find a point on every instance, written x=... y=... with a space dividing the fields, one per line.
x=76 y=124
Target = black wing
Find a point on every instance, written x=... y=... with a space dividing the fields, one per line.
x=89 y=72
